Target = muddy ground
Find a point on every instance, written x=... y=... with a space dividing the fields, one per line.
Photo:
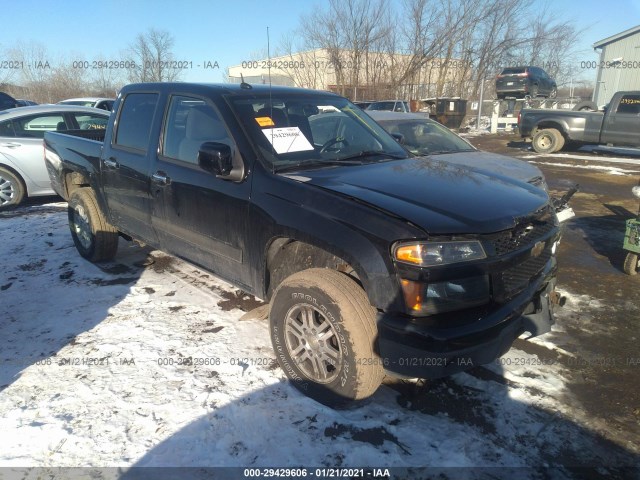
x=607 y=379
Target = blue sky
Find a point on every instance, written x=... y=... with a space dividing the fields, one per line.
x=224 y=31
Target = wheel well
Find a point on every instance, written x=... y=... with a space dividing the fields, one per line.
x=557 y=126
x=18 y=176
x=286 y=256
x=73 y=181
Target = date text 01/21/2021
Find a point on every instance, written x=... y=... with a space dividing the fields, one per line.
x=326 y=472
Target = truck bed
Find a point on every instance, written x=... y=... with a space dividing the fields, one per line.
x=80 y=148
x=578 y=125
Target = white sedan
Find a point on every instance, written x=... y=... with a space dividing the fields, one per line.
x=22 y=168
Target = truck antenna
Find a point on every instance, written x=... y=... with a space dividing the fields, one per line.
x=269 y=70
x=244 y=84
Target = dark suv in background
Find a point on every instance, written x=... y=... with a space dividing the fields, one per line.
x=519 y=82
x=7 y=101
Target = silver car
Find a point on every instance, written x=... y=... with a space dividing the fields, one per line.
x=422 y=136
x=95 y=102
x=22 y=169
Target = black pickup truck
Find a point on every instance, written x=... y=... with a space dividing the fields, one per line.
x=373 y=261
x=618 y=125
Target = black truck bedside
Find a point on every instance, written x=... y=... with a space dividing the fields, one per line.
x=372 y=260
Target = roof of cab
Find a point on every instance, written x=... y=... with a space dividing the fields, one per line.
x=225 y=88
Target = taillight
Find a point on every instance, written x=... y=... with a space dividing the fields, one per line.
x=519 y=115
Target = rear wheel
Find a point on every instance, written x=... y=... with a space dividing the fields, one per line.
x=94 y=237
x=548 y=140
x=12 y=189
x=323 y=332
x=631 y=263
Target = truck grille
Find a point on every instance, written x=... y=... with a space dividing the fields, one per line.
x=525 y=234
x=516 y=278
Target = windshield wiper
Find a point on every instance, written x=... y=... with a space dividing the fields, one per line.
x=368 y=153
x=317 y=163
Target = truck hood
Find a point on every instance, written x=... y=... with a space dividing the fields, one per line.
x=492 y=163
x=437 y=196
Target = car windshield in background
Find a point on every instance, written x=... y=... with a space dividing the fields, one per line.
x=513 y=71
x=309 y=131
x=426 y=137
x=80 y=103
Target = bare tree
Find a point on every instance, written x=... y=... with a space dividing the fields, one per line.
x=153 y=56
x=7 y=75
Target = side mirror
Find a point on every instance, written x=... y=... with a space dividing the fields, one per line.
x=399 y=137
x=215 y=158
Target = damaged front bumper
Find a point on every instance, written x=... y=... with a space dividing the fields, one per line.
x=411 y=349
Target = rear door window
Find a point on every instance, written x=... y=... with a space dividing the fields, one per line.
x=34 y=126
x=6 y=129
x=629 y=104
x=134 y=122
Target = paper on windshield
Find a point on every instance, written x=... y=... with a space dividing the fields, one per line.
x=287 y=139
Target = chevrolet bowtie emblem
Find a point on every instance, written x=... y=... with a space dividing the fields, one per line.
x=537 y=249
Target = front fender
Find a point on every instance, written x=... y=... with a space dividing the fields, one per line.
x=349 y=230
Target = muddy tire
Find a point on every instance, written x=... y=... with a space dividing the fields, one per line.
x=94 y=237
x=630 y=266
x=547 y=140
x=323 y=332
x=12 y=190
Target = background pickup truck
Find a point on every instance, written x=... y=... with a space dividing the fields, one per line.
x=619 y=125
x=372 y=260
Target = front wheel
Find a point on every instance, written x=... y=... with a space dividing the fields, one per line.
x=11 y=188
x=548 y=140
x=94 y=237
x=323 y=332
x=630 y=266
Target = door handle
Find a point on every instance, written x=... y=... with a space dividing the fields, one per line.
x=11 y=145
x=160 y=178
x=110 y=162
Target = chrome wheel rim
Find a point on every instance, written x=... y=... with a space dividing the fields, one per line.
x=313 y=344
x=81 y=226
x=7 y=191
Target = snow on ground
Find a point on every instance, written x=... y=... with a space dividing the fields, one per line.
x=592 y=158
x=133 y=363
x=602 y=168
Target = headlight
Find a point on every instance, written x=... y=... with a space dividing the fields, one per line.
x=432 y=254
x=431 y=298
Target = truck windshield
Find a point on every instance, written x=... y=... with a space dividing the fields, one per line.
x=313 y=131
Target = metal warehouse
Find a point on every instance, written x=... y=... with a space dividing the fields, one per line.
x=619 y=64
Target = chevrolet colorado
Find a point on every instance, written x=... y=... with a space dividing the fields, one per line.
x=372 y=260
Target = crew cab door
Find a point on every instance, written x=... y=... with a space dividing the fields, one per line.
x=622 y=126
x=125 y=166
x=198 y=216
